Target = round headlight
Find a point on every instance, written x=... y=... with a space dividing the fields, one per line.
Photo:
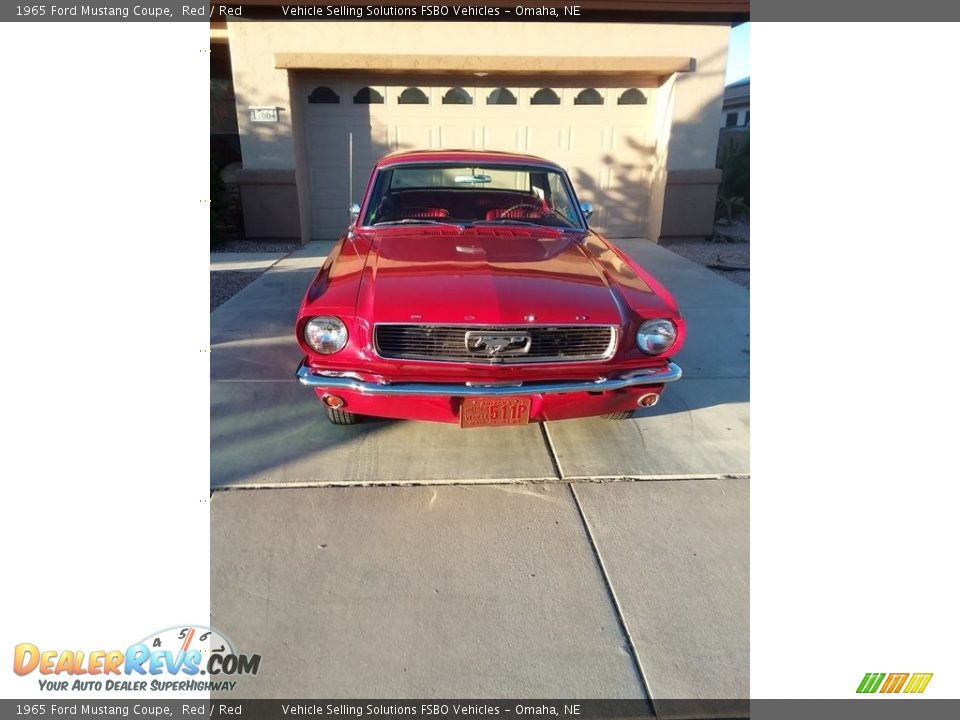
x=656 y=336
x=325 y=334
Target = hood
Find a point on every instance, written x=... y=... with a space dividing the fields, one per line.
x=484 y=276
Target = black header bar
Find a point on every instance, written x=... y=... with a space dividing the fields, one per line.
x=872 y=708
x=712 y=11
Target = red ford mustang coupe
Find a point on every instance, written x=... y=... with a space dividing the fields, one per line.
x=469 y=289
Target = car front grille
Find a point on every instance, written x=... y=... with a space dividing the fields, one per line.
x=496 y=344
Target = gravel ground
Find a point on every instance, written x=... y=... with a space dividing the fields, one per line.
x=225 y=284
x=704 y=253
x=254 y=246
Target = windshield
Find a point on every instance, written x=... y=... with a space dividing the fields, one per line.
x=457 y=193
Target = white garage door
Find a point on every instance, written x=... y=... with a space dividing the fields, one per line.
x=603 y=136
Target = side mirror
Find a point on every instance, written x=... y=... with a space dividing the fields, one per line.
x=354 y=212
x=587 y=209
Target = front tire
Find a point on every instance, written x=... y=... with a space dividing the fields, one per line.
x=342 y=417
x=618 y=416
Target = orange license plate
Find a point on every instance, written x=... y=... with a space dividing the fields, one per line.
x=487 y=411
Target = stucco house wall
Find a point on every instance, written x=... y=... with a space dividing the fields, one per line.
x=682 y=188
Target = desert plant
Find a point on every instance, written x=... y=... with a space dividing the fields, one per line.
x=734 y=194
x=729 y=210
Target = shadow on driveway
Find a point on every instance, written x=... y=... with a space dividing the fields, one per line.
x=268 y=430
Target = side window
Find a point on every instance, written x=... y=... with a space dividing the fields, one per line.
x=501 y=96
x=413 y=96
x=731 y=119
x=457 y=96
x=367 y=96
x=323 y=96
x=545 y=96
x=632 y=97
x=590 y=96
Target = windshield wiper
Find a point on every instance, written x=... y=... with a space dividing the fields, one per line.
x=549 y=228
x=563 y=218
x=512 y=221
x=409 y=221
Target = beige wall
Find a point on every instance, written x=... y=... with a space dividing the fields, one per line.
x=688 y=105
x=270 y=204
x=689 y=117
x=697 y=104
x=664 y=119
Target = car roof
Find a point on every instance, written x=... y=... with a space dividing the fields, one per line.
x=461 y=156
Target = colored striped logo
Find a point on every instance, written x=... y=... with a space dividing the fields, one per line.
x=894 y=682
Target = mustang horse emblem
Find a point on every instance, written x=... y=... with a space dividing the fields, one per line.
x=497 y=344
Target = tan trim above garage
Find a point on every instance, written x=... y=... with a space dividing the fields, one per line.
x=459 y=64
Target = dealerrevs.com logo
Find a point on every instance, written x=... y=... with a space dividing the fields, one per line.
x=183 y=659
x=894 y=682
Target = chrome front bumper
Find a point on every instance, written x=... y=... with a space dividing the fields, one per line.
x=653 y=376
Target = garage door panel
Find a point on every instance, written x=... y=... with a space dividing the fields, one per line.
x=333 y=142
x=508 y=138
x=587 y=159
x=465 y=138
x=410 y=137
x=546 y=140
x=331 y=191
x=326 y=166
x=325 y=181
x=633 y=153
x=366 y=151
x=331 y=220
x=620 y=215
x=589 y=141
x=329 y=142
x=325 y=140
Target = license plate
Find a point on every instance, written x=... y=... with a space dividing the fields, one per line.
x=492 y=411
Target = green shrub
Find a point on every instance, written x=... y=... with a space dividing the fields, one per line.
x=734 y=196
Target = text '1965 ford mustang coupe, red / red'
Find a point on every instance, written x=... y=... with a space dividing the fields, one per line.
x=469 y=289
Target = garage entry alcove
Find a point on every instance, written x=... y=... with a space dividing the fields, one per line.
x=600 y=126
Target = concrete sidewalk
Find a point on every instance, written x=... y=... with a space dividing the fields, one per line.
x=615 y=590
x=243 y=262
x=268 y=431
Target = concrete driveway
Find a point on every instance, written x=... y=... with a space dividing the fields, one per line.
x=518 y=568
x=268 y=431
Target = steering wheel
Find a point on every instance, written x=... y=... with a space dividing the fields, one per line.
x=518 y=206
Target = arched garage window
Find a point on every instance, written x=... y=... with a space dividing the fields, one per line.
x=457 y=96
x=367 y=96
x=590 y=96
x=323 y=95
x=632 y=97
x=413 y=96
x=545 y=96
x=501 y=96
